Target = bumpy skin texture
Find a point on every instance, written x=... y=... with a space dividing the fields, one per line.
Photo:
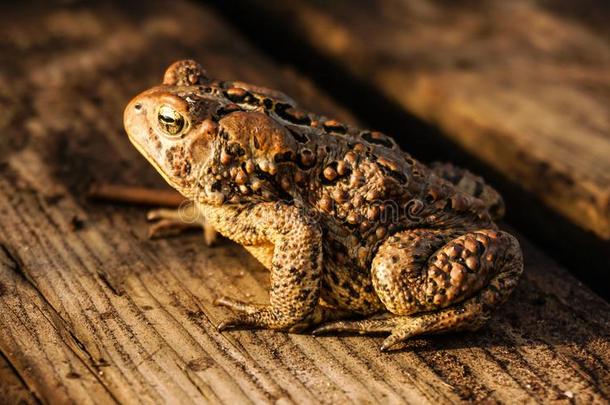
x=347 y=223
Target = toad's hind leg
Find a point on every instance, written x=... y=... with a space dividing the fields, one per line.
x=454 y=288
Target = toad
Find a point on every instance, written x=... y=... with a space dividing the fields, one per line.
x=349 y=225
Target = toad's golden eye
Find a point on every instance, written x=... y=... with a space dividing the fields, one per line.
x=170 y=120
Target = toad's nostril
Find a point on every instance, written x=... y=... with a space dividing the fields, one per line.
x=138 y=106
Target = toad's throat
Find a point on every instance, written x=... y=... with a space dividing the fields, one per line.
x=158 y=168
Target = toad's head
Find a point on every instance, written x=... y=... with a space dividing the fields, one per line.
x=173 y=124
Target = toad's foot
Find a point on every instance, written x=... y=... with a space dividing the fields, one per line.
x=246 y=315
x=170 y=222
x=362 y=327
x=250 y=315
x=401 y=328
x=237 y=305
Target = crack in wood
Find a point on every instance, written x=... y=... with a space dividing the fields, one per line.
x=11 y=261
x=106 y=279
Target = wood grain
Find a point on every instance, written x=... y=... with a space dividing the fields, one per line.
x=37 y=344
x=85 y=292
x=12 y=389
x=522 y=85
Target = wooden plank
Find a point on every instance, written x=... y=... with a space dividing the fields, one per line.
x=141 y=311
x=36 y=343
x=12 y=389
x=522 y=85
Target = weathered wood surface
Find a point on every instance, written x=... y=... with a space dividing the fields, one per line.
x=12 y=389
x=523 y=85
x=92 y=311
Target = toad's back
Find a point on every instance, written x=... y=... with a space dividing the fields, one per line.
x=366 y=164
x=361 y=186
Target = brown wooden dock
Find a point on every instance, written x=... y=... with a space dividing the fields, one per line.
x=91 y=311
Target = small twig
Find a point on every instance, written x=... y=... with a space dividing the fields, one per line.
x=136 y=195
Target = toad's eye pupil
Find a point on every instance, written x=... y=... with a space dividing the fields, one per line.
x=170 y=120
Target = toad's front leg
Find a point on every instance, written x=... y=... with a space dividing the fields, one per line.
x=295 y=262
